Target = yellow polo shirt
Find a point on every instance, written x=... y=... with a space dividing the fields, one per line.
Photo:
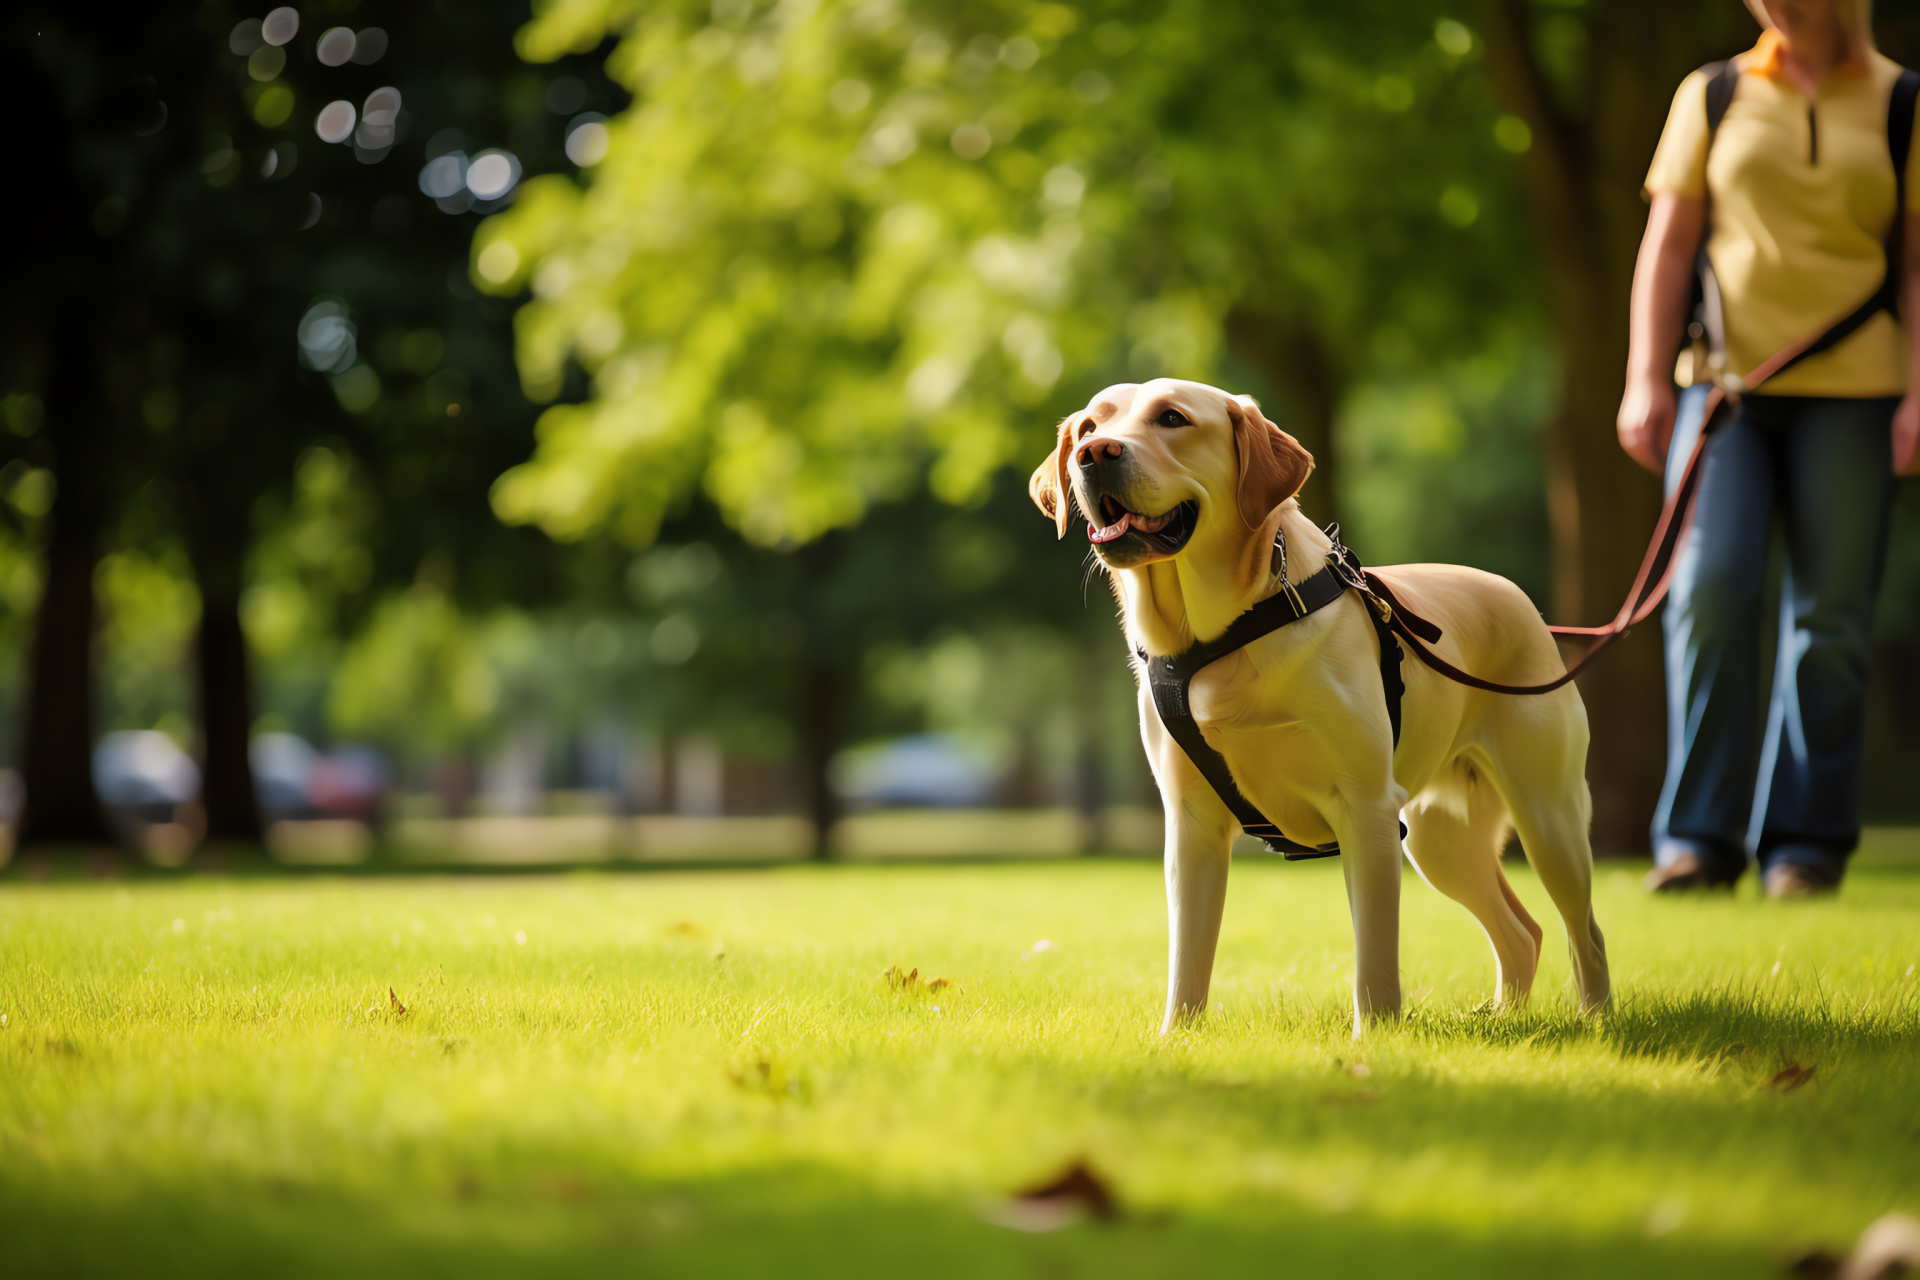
x=1802 y=198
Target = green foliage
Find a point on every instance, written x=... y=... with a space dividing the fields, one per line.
x=1448 y=468
x=417 y=674
x=150 y=609
x=831 y=246
x=710 y=1075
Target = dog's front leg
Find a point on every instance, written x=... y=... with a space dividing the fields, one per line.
x=1199 y=850
x=1370 y=859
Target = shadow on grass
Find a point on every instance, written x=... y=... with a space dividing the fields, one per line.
x=1686 y=1026
x=795 y=1221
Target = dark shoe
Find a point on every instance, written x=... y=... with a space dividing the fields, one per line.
x=1685 y=872
x=1786 y=880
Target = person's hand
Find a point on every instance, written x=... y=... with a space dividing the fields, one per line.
x=1906 y=436
x=1646 y=421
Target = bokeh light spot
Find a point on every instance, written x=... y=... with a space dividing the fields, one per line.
x=850 y=97
x=587 y=141
x=153 y=118
x=1458 y=206
x=266 y=62
x=492 y=174
x=1512 y=134
x=327 y=337
x=382 y=106
x=335 y=46
x=1453 y=37
x=273 y=106
x=280 y=160
x=280 y=26
x=370 y=46
x=445 y=175
x=335 y=121
x=497 y=262
x=245 y=37
x=357 y=389
x=971 y=141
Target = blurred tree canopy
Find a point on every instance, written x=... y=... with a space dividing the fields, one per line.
x=831 y=245
x=716 y=425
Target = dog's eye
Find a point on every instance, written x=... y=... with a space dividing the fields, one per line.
x=1172 y=418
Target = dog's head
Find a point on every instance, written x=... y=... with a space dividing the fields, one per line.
x=1151 y=463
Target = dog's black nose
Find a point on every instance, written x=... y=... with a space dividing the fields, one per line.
x=1096 y=451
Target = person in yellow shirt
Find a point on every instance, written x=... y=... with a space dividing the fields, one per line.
x=1797 y=196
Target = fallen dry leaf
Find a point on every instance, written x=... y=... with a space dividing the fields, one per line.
x=911 y=983
x=1073 y=1197
x=1815 y=1264
x=1076 y=1185
x=1791 y=1077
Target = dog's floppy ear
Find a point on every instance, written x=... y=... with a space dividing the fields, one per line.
x=1273 y=465
x=1048 y=487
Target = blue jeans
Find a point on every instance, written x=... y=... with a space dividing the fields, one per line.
x=1784 y=788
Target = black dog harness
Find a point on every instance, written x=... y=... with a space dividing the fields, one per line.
x=1168 y=679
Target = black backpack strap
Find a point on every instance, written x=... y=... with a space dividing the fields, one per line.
x=1900 y=107
x=1906 y=90
x=1722 y=79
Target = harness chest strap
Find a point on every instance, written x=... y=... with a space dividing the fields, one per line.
x=1169 y=679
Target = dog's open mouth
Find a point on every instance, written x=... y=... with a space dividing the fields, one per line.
x=1165 y=533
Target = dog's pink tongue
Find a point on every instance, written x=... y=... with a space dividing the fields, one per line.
x=1112 y=531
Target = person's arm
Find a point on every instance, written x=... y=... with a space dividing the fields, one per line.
x=1662 y=283
x=1906 y=419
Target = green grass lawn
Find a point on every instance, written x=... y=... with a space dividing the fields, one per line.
x=705 y=1073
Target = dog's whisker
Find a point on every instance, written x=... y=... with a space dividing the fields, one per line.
x=1094 y=564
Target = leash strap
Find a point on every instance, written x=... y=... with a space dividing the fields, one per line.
x=1169 y=680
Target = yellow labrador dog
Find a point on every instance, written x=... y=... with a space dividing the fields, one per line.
x=1189 y=494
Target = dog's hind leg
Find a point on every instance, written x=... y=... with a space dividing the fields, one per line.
x=1454 y=839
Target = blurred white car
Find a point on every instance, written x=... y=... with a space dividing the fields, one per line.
x=142 y=776
x=926 y=770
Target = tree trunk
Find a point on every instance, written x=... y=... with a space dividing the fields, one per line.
x=823 y=721
x=1592 y=144
x=57 y=754
x=226 y=719
x=1299 y=366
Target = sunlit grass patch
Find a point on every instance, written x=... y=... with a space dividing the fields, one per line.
x=742 y=1072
